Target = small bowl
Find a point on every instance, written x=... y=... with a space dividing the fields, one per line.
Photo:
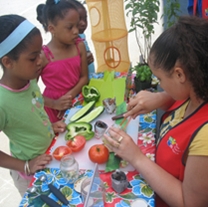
x=119 y=181
x=100 y=128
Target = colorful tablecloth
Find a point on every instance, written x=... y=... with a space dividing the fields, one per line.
x=137 y=188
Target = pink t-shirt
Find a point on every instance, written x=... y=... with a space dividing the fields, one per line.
x=59 y=77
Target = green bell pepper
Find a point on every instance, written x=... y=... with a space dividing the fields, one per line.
x=81 y=128
x=90 y=93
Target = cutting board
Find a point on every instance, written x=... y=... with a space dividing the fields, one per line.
x=82 y=156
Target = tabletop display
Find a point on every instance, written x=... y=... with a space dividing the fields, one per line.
x=137 y=192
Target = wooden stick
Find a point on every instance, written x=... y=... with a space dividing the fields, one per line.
x=124 y=128
x=123 y=121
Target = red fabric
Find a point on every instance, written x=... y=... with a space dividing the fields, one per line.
x=173 y=146
x=195 y=7
x=203 y=10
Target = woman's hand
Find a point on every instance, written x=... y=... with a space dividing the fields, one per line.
x=142 y=103
x=39 y=163
x=145 y=102
x=122 y=144
x=59 y=127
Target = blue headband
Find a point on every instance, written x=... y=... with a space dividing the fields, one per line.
x=15 y=37
x=56 y=1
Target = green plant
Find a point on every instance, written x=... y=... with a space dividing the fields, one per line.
x=144 y=14
x=143 y=72
x=171 y=12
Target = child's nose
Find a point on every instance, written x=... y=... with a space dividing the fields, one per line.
x=76 y=30
x=39 y=61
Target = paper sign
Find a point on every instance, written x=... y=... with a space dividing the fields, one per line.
x=109 y=87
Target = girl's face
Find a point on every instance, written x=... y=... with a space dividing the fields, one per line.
x=83 y=20
x=66 y=30
x=174 y=83
x=28 y=65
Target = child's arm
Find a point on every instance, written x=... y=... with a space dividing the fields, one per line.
x=83 y=80
x=90 y=58
x=59 y=127
x=38 y=163
x=64 y=102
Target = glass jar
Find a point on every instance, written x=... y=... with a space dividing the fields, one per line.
x=69 y=168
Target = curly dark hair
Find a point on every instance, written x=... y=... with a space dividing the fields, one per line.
x=41 y=16
x=8 y=23
x=77 y=4
x=187 y=43
x=54 y=11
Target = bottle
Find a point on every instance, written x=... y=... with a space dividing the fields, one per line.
x=69 y=168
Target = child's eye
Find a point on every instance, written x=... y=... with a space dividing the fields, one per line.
x=35 y=58
x=32 y=59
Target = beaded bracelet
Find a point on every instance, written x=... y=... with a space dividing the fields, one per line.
x=27 y=168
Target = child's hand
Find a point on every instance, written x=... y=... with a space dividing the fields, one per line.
x=64 y=102
x=39 y=163
x=59 y=127
x=61 y=114
x=90 y=57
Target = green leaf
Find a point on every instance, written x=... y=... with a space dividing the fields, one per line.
x=146 y=190
x=110 y=197
x=113 y=162
x=67 y=191
x=128 y=196
x=148 y=119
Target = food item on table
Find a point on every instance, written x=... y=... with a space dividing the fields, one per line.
x=83 y=111
x=92 y=115
x=81 y=128
x=90 y=93
x=98 y=153
x=60 y=151
x=76 y=143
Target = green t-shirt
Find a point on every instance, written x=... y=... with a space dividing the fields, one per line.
x=25 y=122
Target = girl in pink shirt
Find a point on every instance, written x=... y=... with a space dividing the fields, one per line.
x=65 y=69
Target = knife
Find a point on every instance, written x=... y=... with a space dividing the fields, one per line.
x=58 y=194
x=120 y=116
x=49 y=201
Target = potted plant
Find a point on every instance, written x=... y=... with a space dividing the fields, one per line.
x=143 y=77
x=144 y=14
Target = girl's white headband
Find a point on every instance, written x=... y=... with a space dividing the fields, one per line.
x=15 y=37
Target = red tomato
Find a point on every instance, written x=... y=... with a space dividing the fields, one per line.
x=98 y=153
x=77 y=143
x=60 y=151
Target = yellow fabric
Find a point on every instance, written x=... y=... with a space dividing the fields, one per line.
x=199 y=145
